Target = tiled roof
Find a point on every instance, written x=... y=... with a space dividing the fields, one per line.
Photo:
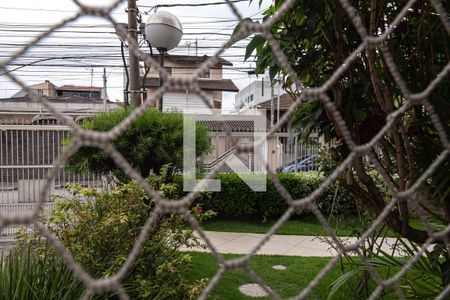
x=79 y=88
x=286 y=102
x=70 y=99
x=189 y=59
x=225 y=85
x=233 y=123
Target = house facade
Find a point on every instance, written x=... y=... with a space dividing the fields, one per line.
x=211 y=82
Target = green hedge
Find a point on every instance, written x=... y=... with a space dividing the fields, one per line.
x=236 y=199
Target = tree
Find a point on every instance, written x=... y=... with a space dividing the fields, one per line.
x=155 y=139
x=317 y=37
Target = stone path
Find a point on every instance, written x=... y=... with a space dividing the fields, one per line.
x=289 y=245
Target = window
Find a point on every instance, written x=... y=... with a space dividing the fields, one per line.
x=84 y=94
x=248 y=99
x=40 y=92
x=206 y=74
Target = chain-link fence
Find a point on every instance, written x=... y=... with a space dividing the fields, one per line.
x=103 y=140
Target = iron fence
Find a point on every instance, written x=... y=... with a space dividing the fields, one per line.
x=27 y=153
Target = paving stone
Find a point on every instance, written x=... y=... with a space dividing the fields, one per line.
x=279 y=267
x=253 y=290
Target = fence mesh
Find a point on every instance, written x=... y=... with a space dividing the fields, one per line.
x=103 y=140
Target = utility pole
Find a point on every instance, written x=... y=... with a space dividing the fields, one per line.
x=105 y=94
x=92 y=82
x=161 y=80
x=278 y=101
x=135 y=89
x=196 y=47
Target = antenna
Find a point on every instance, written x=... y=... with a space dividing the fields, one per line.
x=188 y=44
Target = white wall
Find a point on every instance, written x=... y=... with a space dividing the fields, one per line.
x=62 y=107
x=187 y=103
x=258 y=91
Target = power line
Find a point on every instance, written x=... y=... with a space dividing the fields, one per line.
x=104 y=53
x=228 y=27
x=45 y=29
x=122 y=13
x=37 y=9
x=66 y=65
x=192 y=4
x=106 y=46
x=50 y=10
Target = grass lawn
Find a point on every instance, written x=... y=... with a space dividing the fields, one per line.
x=300 y=271
x=304 y=225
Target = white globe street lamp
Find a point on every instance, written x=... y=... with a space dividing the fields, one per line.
x=163 y=31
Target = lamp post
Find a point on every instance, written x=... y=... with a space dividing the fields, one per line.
x=133 y=59
x=163 y=31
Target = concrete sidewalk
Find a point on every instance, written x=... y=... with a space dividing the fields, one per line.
x=243 y=243
x=289 y=245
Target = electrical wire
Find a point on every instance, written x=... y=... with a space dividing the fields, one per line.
x=155 y=7
x=55 y=56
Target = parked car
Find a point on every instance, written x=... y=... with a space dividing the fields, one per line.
x=307 y=164
x=288 y=164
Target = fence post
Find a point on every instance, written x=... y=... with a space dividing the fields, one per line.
x=217 y=147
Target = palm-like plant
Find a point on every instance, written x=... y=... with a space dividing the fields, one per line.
x=425 y=280
x=26 y=275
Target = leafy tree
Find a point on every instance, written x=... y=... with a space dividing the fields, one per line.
x=317 y=37
x=149 y=143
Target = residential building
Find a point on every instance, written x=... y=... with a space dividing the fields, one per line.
x=26 y=110
x=211 y=82
x=257 y=92
x=275 y=101
x=90 y=92
x=260 y=94
x=72 y=100
x=45 y=88
x=48 y=89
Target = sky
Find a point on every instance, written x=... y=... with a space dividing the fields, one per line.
x=77 y=53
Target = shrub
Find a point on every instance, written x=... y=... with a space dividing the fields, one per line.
x=99 y=230
x=236 y=199
x=153 y=140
